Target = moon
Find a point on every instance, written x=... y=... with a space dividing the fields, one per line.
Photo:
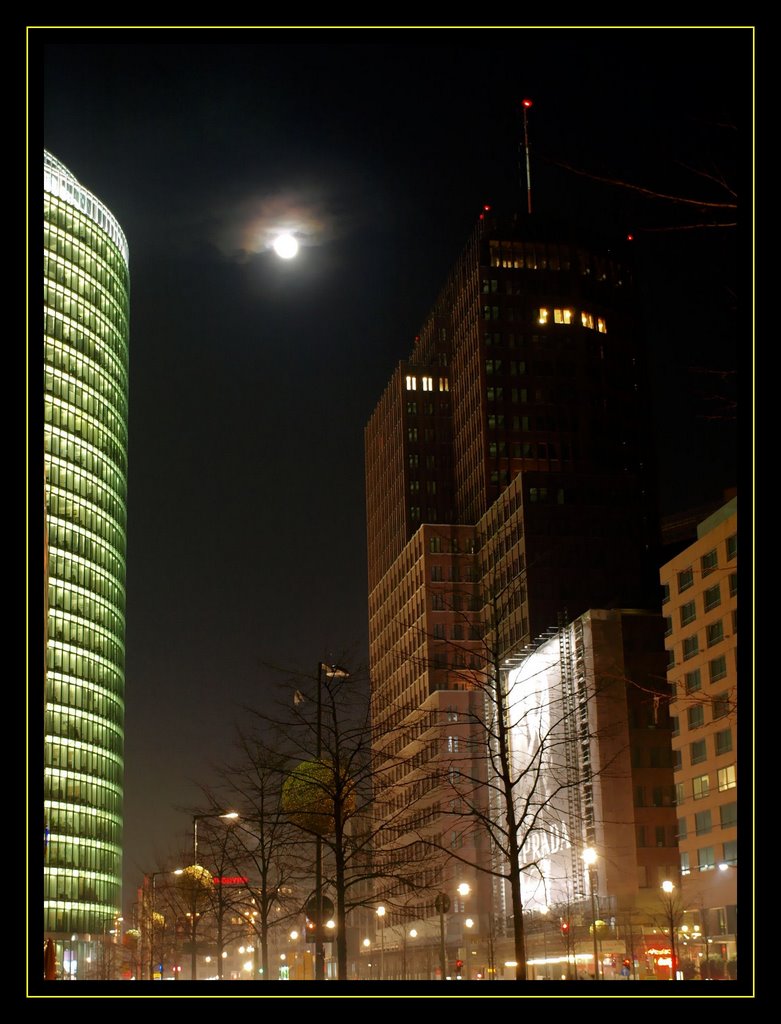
x=285 y=246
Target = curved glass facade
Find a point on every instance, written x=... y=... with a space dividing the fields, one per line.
x=86 y=289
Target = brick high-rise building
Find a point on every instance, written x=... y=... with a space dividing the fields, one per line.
x=508 y=489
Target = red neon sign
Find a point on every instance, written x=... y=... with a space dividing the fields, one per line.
x=229 y=880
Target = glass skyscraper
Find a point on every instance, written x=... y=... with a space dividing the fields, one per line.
x=86 y=290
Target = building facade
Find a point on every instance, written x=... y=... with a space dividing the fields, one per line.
x=591 y=746
x=700 y=587
x=507 y=490
x=86 y=334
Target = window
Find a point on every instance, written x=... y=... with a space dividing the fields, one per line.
x=712 y=597
x=414 y=461
x=733 y=584
x=702 y=823
x=676 y=728
x=685 y=580
x=720 y=705
x=692 y=681
x=412 y=383
x=562 y=316
x=601 y=326
x=452 y=744
x=683 y=831
x=439 y=631
x=723 y=741
x=587 y=320
x=677 y=760
x=436 y=573
x=680 y=795
x=685 y=869
x=542 y=316
x=668 y=625
x=700 y=786
x=728 y=815
x=688 y=613
x=697 y=752
x=727 y=777
x=659 y=835
x=412 y=434
x=428 y=383
x=732 y=547
x=695 y=716
x=731 y=851
x=438 y=603
x=705 y=859
x=709 y=562
x=444 y=384
x=717 y=668
x=714 y=633
x=691 y=646
x=665 y=593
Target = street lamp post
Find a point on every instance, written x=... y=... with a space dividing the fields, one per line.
x=323 y=672
x=381 y=915
x=464 y=890
x=228 y=815
x=590 y=857
x=442 y=905
x=669 y=907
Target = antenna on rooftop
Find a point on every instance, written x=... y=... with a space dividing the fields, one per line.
x=525 y=104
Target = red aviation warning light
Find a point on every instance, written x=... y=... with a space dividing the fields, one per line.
x=527 y=103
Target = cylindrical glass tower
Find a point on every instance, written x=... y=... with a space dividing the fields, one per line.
x=86 y=334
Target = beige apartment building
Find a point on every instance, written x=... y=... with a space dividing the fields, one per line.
x=701 y=618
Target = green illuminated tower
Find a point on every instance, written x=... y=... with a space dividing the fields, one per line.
x=86 y=333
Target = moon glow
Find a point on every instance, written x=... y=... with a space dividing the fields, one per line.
x=285 y=246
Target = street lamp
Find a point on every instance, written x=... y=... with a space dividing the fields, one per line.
x=669 y=909
x=590 y=857
x=229 y=816
x=381 y=915
x=464 y=890
x=323 y=672
x=152 y=875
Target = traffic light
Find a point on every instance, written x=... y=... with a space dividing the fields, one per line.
x=565 y=928
x=459 y=964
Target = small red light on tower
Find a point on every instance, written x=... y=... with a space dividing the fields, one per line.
x=486 y=208
x=630 y=238
x=527 y=103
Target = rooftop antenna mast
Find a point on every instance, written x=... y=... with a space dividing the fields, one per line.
x=525 y=106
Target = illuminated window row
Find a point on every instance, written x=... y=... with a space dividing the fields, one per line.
x=566 y=316
x=89 y=281
x=68 y=391
x=427 y=383
x=83 y=426
x=79 y=454
x=61 y=476
x=62 y=357
x=64 y=853
x=86 y=696
x=83 y=238
x=60 y=786
x=92 y=578
x=87 y=823
x=82 y=725
x=69 y=598
x=76 y=757
x=63 y=886
x=75 y=541
x=85 y=317
x=61 y=330
x=67 y=630
x=62 y=505
x=81 y=396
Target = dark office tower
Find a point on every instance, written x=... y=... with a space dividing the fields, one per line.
x=85 y=458
x=506 y=467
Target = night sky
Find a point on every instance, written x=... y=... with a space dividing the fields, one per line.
x=252 y=379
